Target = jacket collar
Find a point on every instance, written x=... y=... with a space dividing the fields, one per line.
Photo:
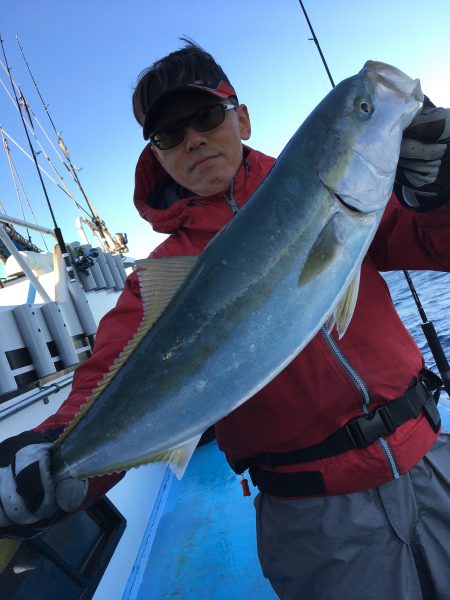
x=169 y=207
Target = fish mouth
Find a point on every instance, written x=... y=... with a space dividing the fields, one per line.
x=391 y=78
x=368 y=197
x=349 y=207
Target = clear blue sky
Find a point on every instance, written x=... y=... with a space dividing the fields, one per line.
x=87 y=54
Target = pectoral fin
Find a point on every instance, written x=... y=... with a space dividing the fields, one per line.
x=324 y=251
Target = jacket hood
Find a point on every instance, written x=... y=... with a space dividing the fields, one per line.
x=167 y=206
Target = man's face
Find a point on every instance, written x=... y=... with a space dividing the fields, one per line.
x=205 y=161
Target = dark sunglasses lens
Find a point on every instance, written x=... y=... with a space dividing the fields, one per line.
x=203 y=120
x=208 y=118
x=168 y=137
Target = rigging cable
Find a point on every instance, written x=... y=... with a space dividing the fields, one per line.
x=17 y=181
x=427 y=326
x=99 y=223
x=11 y=139
x=63 y=187
x=58 y=233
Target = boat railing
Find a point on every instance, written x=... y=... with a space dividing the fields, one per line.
x=38 y=341
x=27 y=224
x=42 y=393
x=4 y=237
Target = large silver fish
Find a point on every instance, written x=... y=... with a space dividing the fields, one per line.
x=219 y=327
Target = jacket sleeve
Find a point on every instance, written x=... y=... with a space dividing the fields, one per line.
x=412 y=240
x=115 y=330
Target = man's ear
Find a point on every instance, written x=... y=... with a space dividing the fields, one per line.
x=245 y=128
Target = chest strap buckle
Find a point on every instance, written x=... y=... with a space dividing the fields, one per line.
x=364 y=431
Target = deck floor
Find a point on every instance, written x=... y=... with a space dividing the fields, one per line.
x=205 y=545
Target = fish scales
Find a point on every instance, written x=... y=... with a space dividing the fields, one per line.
x=262 y=288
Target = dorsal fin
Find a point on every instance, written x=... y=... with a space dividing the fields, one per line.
x=160 y=279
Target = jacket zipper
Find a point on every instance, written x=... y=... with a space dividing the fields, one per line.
x=344 y=362
x=389 y=456
x=362 y=387
x=231 y=200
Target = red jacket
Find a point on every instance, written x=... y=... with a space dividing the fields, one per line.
x=314 y=396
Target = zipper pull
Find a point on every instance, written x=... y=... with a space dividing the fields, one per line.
x=245 y=487
x=231 y=200
x=232 y=204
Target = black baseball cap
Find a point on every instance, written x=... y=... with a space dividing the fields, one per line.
x=190 y=68
x=155 y=98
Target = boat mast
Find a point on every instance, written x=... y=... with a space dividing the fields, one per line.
x=427 y=326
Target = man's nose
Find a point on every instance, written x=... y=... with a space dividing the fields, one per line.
x=193 y=138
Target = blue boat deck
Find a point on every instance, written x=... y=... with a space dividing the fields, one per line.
x=201 y=538
x=204 y=545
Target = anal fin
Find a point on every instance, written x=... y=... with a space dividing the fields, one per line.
x=178 y=458
x=345 y=308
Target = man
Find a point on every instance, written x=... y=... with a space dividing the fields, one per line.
x=343 y=444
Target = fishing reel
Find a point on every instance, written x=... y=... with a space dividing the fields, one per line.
x=121 y=241
x=82 y=261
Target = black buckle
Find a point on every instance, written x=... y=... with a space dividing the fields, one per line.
x=364 y=431
x=357 y=433
x=432 y=414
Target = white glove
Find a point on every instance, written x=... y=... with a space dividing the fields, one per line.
x=30 y=499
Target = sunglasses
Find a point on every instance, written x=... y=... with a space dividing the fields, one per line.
x=202 y=120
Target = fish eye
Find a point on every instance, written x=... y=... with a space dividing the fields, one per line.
x=363 y=106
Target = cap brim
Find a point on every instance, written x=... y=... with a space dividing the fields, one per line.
x=222 y=94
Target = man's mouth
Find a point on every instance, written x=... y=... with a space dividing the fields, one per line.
x=202 y=160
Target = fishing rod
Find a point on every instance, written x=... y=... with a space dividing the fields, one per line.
x=100 y=225
x=62 y=185
x=74 y=287
x=61 y=143
x=432 y=338
x=427 y=326
x=57 y=230
x=316 y=41
x=18 y=185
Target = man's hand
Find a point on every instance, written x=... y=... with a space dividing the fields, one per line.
x=30 y=500
x=423 y=172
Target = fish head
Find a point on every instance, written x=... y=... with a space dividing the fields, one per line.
x=362 y=143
